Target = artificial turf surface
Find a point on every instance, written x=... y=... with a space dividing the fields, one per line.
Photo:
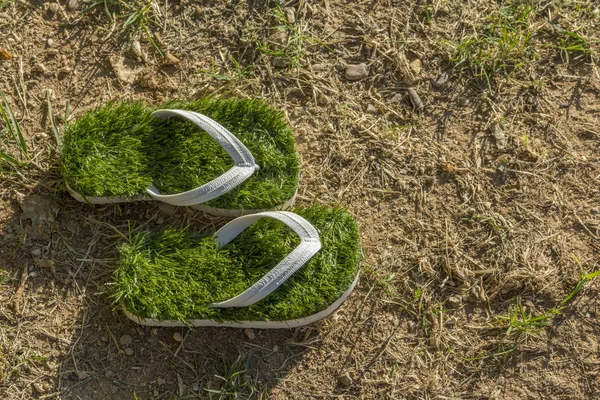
x=120 y=150
x=175 y=274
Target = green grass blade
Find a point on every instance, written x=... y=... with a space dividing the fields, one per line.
x=592 y=275
x=52 y=123
x=582 y=282
x=9 y=159
x=131 y=19
x=149 y=35
x=13 y=125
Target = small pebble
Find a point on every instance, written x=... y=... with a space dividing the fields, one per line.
x=345 y=380
x=290 y=16
x=415 y=67
x=322 y=100
x=170 y=59
x=39 y=388
x=53 y=8
x=440 y=80
x=36 y=252
x=453 y=302
x=595 y=211
x=275 y=349
x=125 y=340
x=177 y=337
x=533 y=102
x=50 y=42
x=415 y=100
x=250 y=333
x=371 y=109
x=128 y=351
x=463 y=101
x=52 y=52
x=281 y=62
x=500 y=137
x=136 y=48
x=356 y=72
x=73 y=5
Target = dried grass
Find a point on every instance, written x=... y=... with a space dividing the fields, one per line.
x=457 y=232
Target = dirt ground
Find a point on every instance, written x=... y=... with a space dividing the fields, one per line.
x=478 y=203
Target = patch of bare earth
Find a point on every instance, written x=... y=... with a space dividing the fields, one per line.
x=478 y=214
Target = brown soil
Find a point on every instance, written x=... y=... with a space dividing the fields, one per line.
x=460 y=223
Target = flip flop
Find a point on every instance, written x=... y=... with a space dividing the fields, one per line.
x=274 y=269
x=179 y=154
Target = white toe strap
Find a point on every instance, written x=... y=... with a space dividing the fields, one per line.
x=308 y=247
x=244 y=165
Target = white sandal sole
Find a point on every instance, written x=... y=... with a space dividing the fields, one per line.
x=293 y=323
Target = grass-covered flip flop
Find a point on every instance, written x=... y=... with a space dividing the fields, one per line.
x=223 y=156
x=288 y=270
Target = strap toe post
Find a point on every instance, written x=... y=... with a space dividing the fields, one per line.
x=309 y=245
x=243 y=162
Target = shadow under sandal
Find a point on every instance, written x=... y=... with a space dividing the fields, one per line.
x=273 y=269
x=244 y=163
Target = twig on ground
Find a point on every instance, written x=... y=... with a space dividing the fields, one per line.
x=19 y=293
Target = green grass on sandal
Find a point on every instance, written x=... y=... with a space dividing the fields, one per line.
x=120 y=150
x=175 y=274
